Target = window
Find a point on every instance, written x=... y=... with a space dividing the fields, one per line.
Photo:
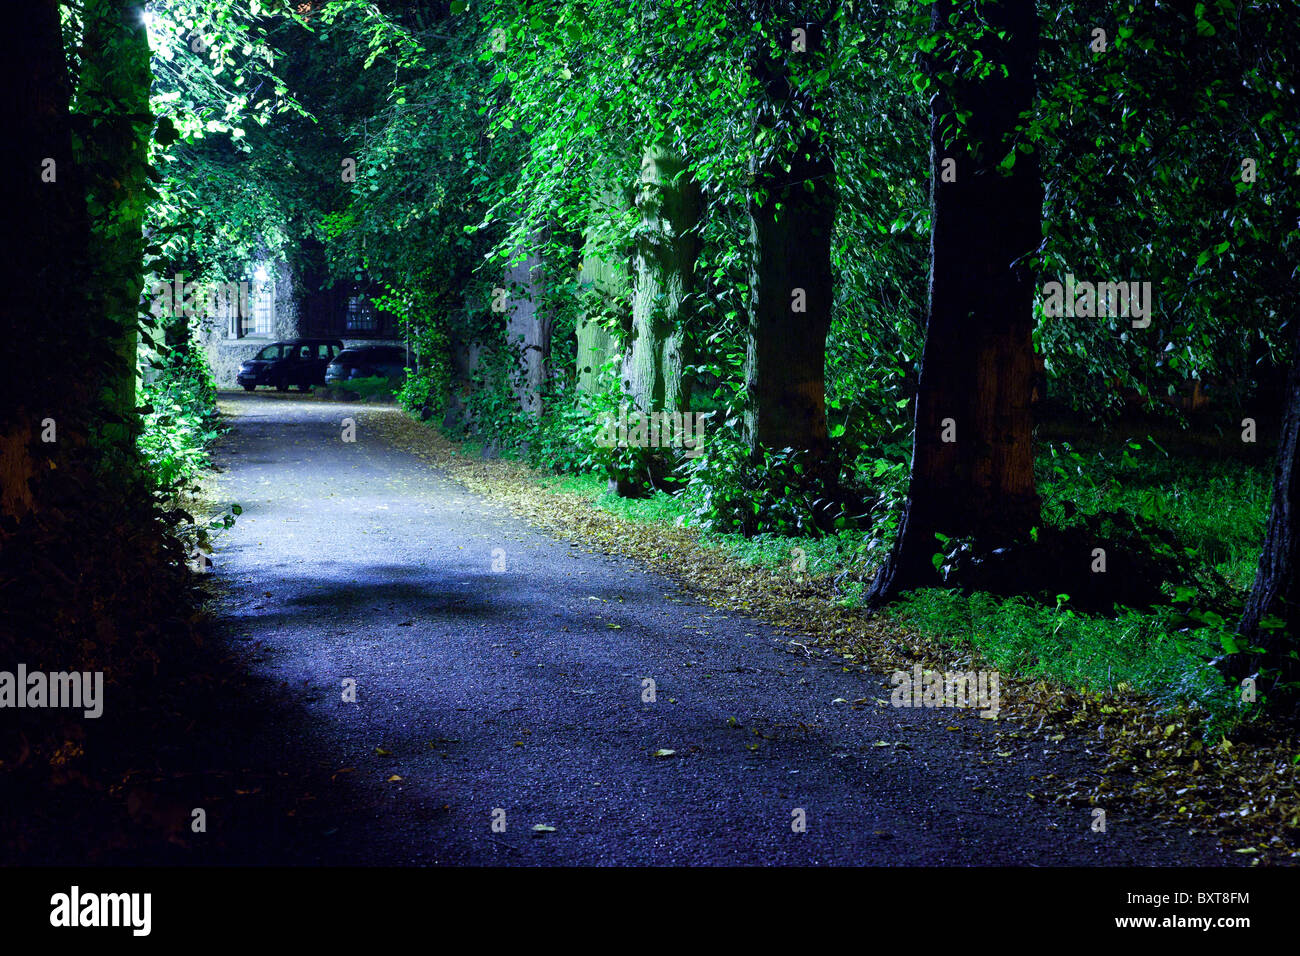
x=361 y=316
x=263 y=305
x=270 y=353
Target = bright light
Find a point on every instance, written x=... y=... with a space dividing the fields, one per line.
x=260 y=274
x=154 y=30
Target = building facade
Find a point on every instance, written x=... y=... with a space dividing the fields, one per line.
x=273 y=307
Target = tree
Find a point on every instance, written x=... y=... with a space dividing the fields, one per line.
x=972 y=460
x=528 y=325
x=604 y=280
x=667 y=244
x=791 y=215
x=1270 y=623
x=113 y=102
x=43 y=273
x=1271 y=620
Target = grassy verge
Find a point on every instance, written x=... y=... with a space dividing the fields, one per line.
x=1216 y=508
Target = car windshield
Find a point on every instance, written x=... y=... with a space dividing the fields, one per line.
x=270 y=352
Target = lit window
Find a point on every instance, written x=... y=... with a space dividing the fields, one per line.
x=361 y=316
x=263 y=303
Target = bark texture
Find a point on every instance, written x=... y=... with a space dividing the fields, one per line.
x=792 y=214
x=113 y=95
x=977 y=369
x=666 y=249
x=528 y=329
x=604 y=274
x=1275 y=596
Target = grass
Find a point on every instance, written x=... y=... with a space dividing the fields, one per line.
x=1214 y=506
x=659 y=507
x=1217 y=507
x=827 y=555
x=1144 y=650
x=371 y=387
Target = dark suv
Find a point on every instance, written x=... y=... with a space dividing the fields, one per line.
x=367 y=361
x=298 y=362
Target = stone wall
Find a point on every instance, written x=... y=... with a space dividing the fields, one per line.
x=226 y=352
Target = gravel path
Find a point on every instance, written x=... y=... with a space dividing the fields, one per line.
x=500 y=676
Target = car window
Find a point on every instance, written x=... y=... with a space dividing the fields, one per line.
x=304 y=352
x=270 y=352
x=323 y=351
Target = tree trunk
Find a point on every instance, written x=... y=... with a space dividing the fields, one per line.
x=595 y=342
x=792 y=214
x=977 y=369
x=44 y=265
x=604 y=278
x=1276 y=592
x=528 y=329
x=669 y=201
x=113 y=96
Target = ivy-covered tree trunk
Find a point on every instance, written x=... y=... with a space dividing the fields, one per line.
x=113 y=100
x=791 y=214
x=972 y=459
x=1271 y=620
x=43 y=268
x=665 y=254
x=595 y=342
x=605 y=280
x=528 y=327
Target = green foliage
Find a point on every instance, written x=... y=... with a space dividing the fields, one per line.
x=373 y=386
x=1215 y=508
x=215 y=91
x=620 y=463
x=1148 y=651
x=659 y=507
x=1142 y=149
x=428 y=385
x=560 y=437
x=179 y=419
x=736 y=492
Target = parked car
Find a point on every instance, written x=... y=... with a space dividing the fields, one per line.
x=298 y=362
x=369 y=361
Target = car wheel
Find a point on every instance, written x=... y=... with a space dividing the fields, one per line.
x=281 y=385
x=249 y=388
x=304 y=388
